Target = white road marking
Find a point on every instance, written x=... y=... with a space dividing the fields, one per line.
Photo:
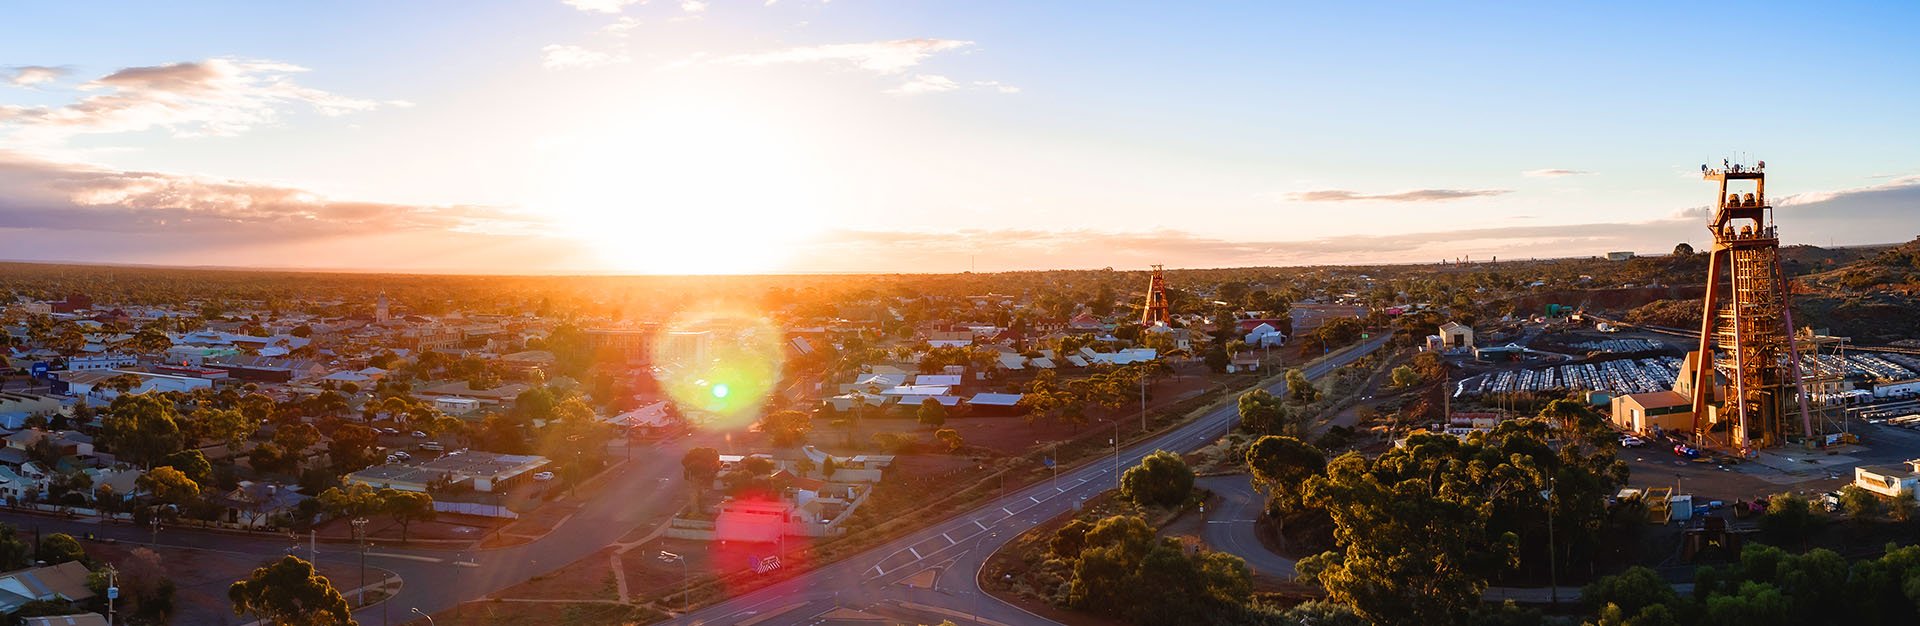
x=977 y=523
x=949 y=539
x=916 y=554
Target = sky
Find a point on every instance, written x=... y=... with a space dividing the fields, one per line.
x=772 y=136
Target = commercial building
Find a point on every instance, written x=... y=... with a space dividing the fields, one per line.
x=482 y=471
x=1643 y=412
x=1893 y=481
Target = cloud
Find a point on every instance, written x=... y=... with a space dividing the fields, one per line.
x=925 y=83
x=880 y=57
x=693 y=6
x=620 y=27
x=1555 y=173
x=567 y=57
x=996 y=86
x=30 y=75
x=1417 y=195
x=211 y=97
x=47 y=195
x=601 y=6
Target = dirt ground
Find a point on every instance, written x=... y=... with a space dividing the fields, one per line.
x=444 y=527
x=201 y=578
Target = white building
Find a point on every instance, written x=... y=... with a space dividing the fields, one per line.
x=1893 y=481
x=100 y=362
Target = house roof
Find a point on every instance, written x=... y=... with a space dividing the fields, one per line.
x=996 y=399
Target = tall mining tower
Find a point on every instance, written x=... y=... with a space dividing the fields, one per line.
x=1746 y=329
x=1156 y=313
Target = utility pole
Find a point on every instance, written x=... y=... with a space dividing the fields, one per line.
x=113 y=591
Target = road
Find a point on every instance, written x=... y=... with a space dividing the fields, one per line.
x=645 y=488
x=954 y=551
x=1231 y=527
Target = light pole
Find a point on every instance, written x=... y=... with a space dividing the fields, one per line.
x=417 y=611
x=1116 y=453
x=359 y=536
x=113 y=591
x=1553 y=581
x=686 y=580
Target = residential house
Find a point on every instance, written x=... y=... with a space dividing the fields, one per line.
x=66 y=581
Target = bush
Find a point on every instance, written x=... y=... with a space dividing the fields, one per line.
x=896 y=443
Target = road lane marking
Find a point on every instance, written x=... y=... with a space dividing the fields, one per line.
x=949 y=539
x=916 y=553
x=977 y=523
x=1004 y=510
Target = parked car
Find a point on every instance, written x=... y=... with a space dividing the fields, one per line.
x=419 y=435
x=432 y=446
x=543 y=476
x=389 y=431
x=402 y=455
x=1631 y=441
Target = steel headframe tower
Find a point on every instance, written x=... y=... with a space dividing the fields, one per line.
x=1746 y=329
x=1155 y=313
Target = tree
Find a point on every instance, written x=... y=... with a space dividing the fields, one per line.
x=1217 y=360
x=1789 y=520
x=701 y=465
x=223 y=426
x=1161 y=479
x=1683 y=249
x=192 y=463
x=950 y=437
x=352 y=447
x=14 y=553
x=786 y=428
x=356 y=500
x=143 y=577
x=1859 y=503
x=1281 y=466
x=169 y=486
x=407 y=507
x=932 y=413
x=59 y=548
x=1631 y=591
x=1299 y=389
x=1261 y=412
x=141 y=428
x=1405 y=376
x=290 y=593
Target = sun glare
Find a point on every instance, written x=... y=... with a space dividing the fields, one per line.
x=691 y=192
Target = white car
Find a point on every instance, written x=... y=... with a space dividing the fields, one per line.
x=1632 y=442
x=419 y=435
x=543 y=476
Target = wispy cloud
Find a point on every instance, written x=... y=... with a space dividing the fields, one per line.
x=693 y=6
x=571 y=57
x=925 y=83
x=601 y=6
x=30 y=75
x=1554 y=173
x=63 y=196
x=211 y=97
x=880 y=57
x=1417 y=195
x=996 y=86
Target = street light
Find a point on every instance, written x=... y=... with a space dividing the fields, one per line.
x=417 y=611
x=686 y=579
x=359 y=536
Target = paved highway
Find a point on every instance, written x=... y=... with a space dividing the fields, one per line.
x=888 y=579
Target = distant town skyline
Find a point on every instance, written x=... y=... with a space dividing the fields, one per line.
x=780 y=136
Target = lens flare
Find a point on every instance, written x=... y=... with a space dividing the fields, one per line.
x=719 y=366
